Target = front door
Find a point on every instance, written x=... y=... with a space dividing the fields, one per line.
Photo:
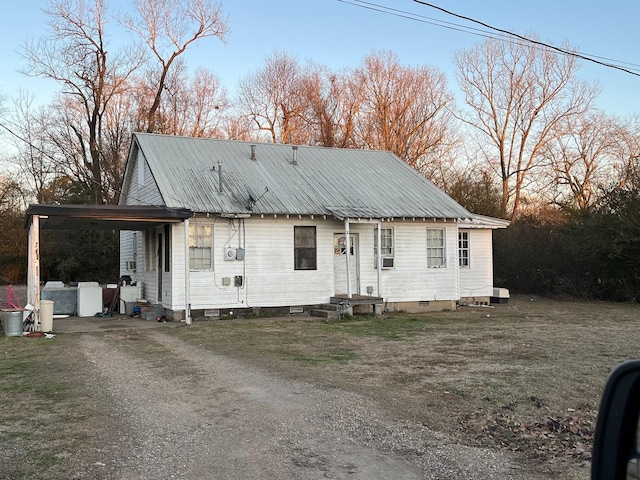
x=340 y=263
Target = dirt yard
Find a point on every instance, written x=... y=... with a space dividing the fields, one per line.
x=500 y=392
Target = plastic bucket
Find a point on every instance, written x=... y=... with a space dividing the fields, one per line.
x=12 y=322
x=46 y=315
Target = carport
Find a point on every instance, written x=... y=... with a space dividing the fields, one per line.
x=92 y=217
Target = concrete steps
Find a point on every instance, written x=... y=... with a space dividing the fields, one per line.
x=326 y=311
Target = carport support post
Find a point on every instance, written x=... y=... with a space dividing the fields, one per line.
x=33 y=269
x=187 y=280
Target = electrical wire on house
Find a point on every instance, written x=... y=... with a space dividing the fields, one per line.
x=492 y=32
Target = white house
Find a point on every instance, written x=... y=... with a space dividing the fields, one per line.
x=292 y=227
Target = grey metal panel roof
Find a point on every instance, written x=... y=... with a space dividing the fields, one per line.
x=324 y=181
x=483 y=221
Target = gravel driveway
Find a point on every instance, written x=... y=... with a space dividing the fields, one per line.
x=199 y=415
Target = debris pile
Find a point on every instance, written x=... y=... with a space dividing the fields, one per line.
x=550 y=436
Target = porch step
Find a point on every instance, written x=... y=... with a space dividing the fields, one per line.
x=329 y=314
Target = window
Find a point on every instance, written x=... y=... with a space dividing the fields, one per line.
x=386 y=240
x=435 y=248
x=200 y=247
x=463 y=249
x=340 y=244
x=304 y=248
x=387 y=249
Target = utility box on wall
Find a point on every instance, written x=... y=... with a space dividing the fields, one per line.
x=229 y=253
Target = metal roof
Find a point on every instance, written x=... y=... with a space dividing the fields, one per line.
x=321 y=181
x=482 y=221
x=110 y=217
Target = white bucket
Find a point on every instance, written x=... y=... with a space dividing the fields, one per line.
x=46 y=315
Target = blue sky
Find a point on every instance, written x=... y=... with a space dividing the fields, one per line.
x=339 y=34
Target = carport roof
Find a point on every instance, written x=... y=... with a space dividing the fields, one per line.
x=106 y=217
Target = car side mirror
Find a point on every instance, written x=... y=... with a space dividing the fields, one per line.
x=615 y=446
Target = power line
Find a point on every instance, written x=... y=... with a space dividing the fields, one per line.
x=531 y=40
x=492 y=32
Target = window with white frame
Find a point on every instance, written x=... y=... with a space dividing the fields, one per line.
x=200 y=247
x=387 y=248
x=435 y=248
x=464 y=251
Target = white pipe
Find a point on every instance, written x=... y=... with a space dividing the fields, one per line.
x=379 y=259
x=187 y=280
x=348 y=253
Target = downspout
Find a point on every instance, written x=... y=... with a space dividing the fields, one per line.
x=33 y=268
x=379 y=257
x=348 y=252
x=187 y=280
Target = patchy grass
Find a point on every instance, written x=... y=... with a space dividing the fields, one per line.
x=526 y=376
x=41 y=413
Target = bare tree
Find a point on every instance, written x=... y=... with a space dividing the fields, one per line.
x=584 y=155
x=519 y=94
x=332 y=107
x=237 y=126
x=627 y=168
x=272 y=98
x=75 y=55
x=33 y=157
x=168 y=27
x=192 y=107
x=403 y=109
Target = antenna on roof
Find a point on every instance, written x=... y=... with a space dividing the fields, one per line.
x=253 y=198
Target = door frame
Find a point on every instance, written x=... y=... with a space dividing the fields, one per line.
x=354 y=243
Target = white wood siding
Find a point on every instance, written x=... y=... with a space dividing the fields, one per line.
x=146 y=193
x=477 y=280
x=268 y=274
x=128 y=253
x=410 y=280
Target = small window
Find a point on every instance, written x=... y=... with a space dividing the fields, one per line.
x=463 y=249
x=386 y=240
x=340 y=244
x=387 y=250
x=304 y=248
x=200 y=247
x=435 y=248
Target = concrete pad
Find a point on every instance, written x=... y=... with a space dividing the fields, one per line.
x=102 y=324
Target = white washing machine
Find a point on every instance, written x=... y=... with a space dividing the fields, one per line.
x=89 y=299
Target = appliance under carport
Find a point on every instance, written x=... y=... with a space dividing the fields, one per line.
x=89 y=217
